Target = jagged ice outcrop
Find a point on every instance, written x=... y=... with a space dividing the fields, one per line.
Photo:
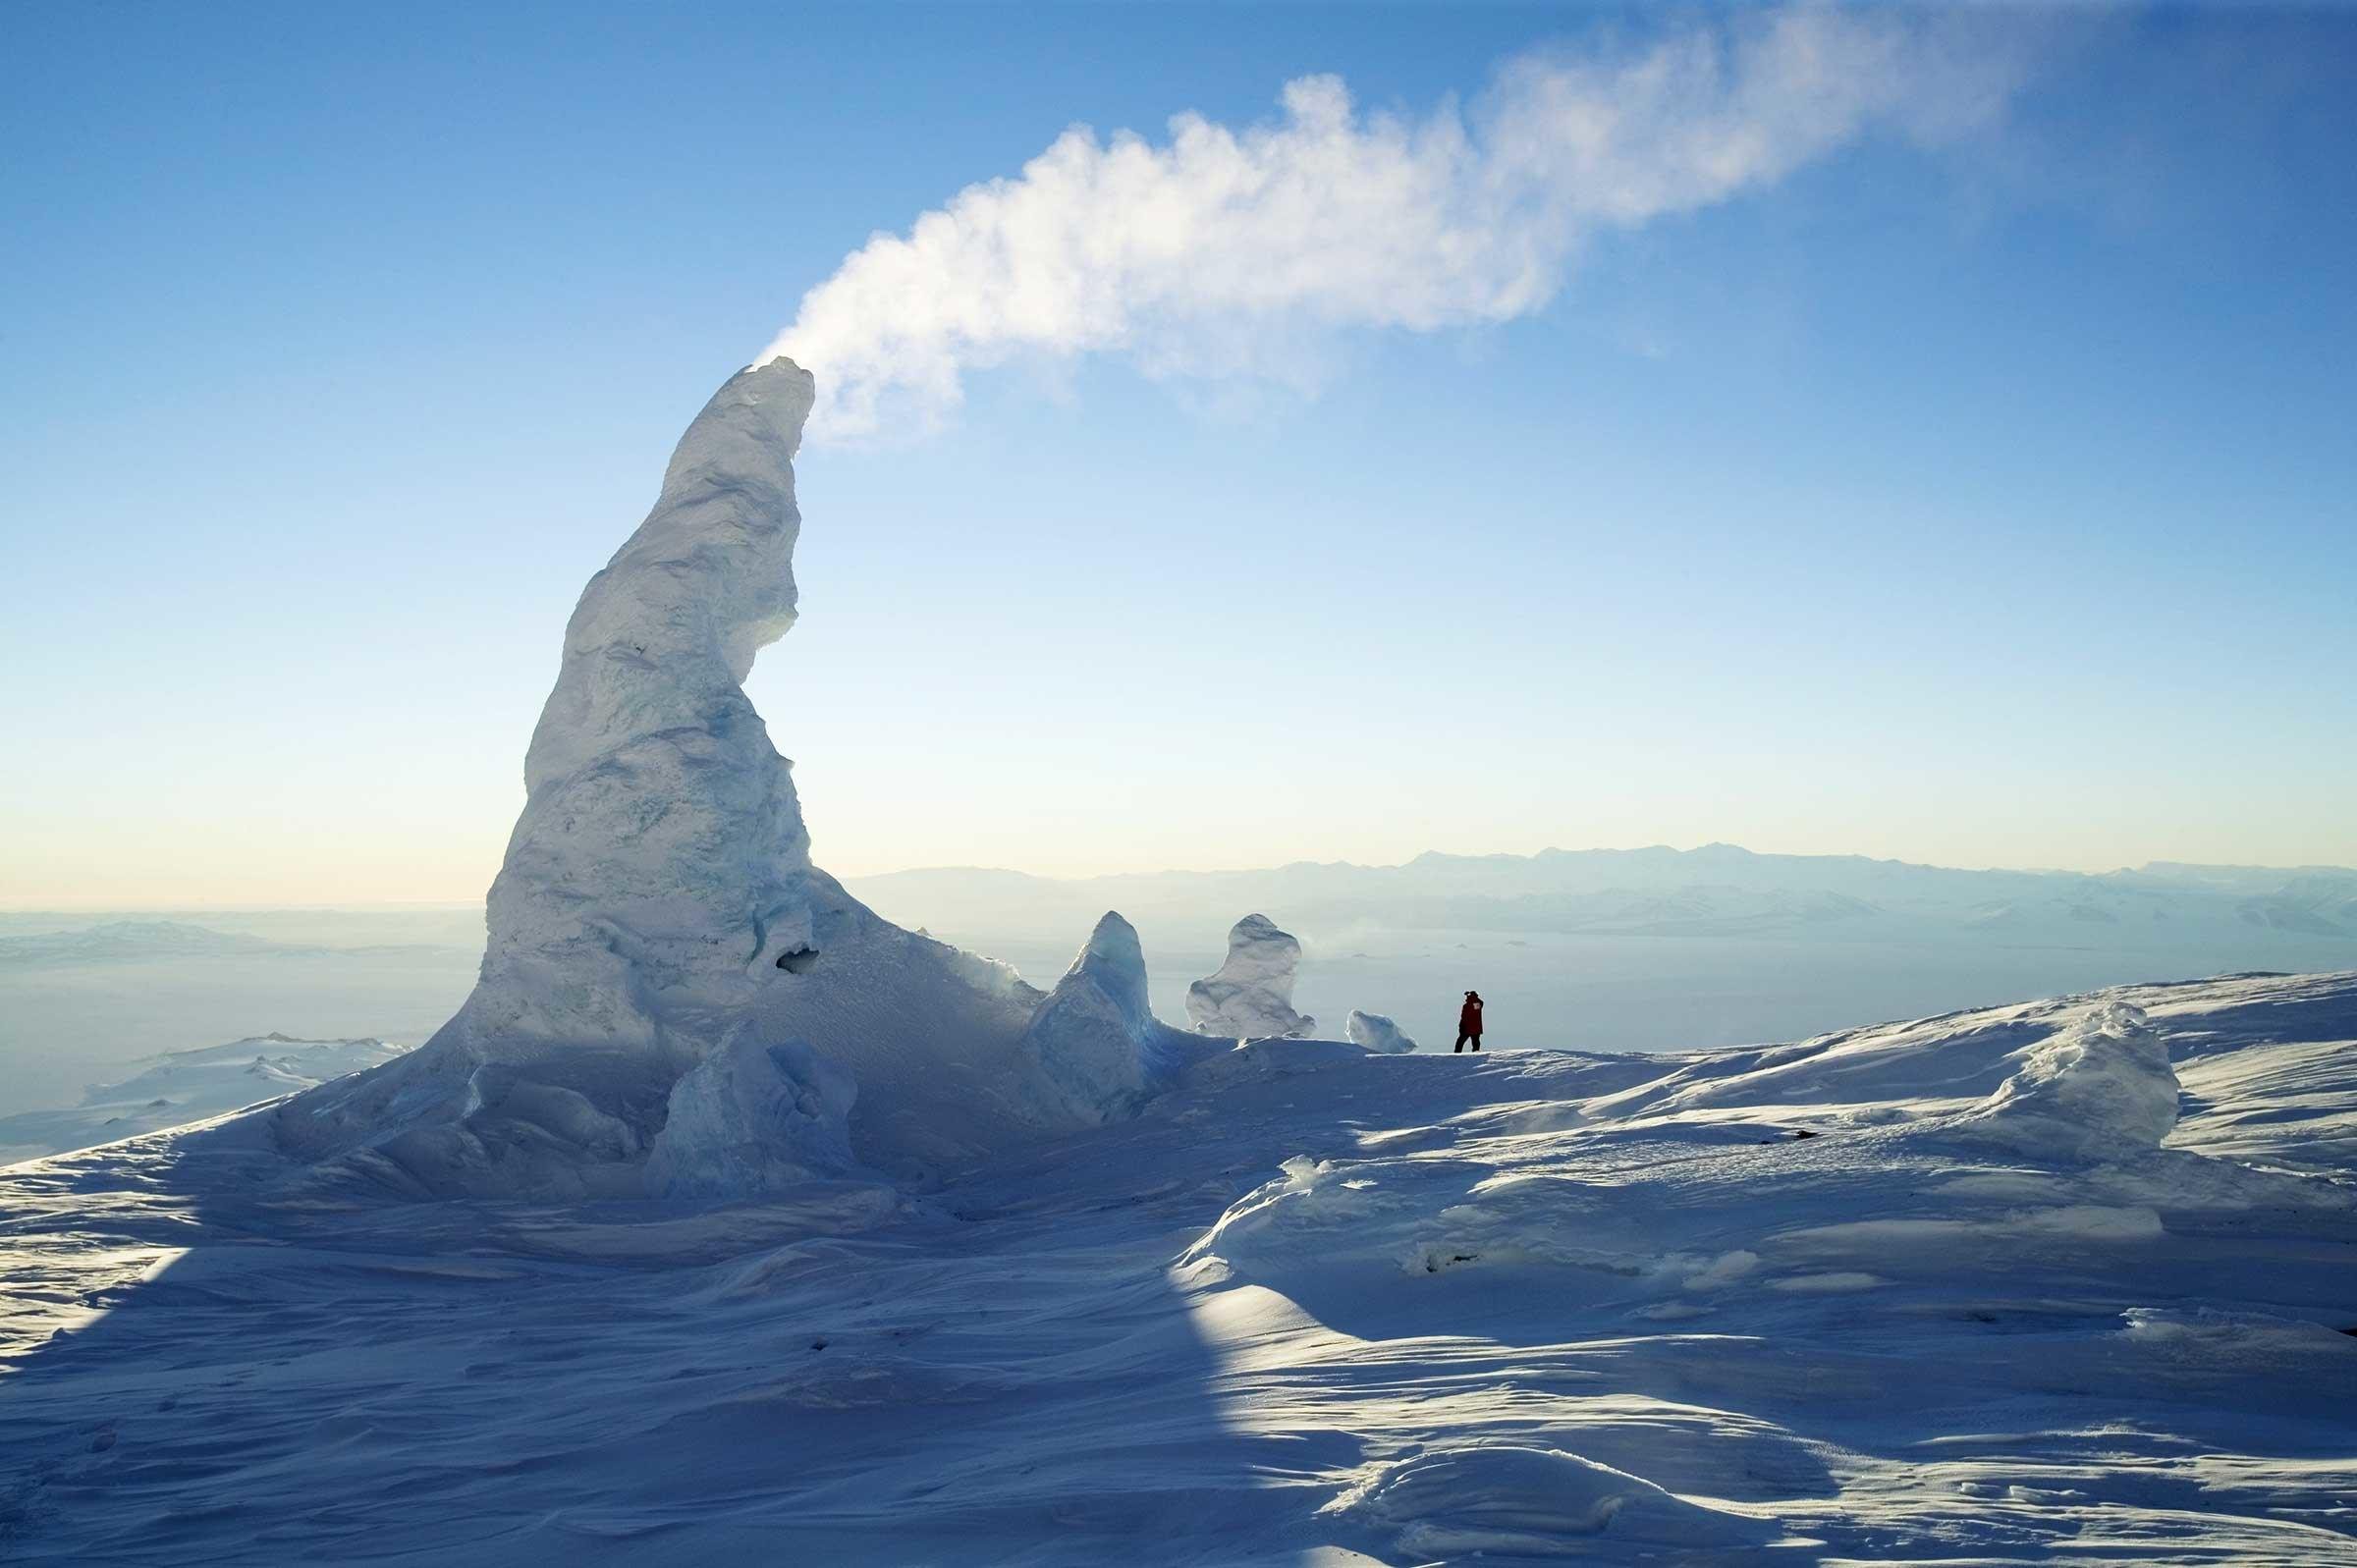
x=673 y=999
x=1095 y=1040
x=1377 y=1032
x=1252 y=995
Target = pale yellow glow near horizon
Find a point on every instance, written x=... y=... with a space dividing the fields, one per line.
x=870 y=822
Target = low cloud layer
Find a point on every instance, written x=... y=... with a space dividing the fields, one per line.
x=1217 y=252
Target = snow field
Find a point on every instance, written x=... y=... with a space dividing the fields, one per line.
x=1311 y=1304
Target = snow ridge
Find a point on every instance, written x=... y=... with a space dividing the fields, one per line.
x=2101 y=1085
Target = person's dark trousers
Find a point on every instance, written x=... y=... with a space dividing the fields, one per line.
x=1462 y=1039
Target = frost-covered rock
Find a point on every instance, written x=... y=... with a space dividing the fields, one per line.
x=1377 y=1032
x=1095 y=1040
x=752 y=1117
x=1252 y=995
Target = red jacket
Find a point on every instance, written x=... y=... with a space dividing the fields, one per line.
x=1468 y=1018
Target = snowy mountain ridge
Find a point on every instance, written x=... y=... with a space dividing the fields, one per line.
x=113 y=942
x=1715 y=889
x=181 y=1087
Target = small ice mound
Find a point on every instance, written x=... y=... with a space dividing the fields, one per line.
x=2099 y=1087
x=1377 y=1032
x=1095 y=1042
x=753 y=1117
x=1453 y=1504
x=1252 y=995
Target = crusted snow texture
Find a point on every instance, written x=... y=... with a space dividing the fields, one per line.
x=753 y=1117
x=1252 y=995
x=1377 y=1032
x=2099 y=1087
x=1095 y=1041
x=1478 y=1499
x=658 y=897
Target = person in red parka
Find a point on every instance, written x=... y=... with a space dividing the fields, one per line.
x=1468 y=1021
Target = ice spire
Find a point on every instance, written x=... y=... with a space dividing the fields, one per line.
x=1252 y=995
x=661 y=843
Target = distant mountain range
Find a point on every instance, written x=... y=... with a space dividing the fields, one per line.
x=1717 y=889
x=153 y=940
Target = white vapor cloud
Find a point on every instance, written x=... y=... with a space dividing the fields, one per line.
x=1212 y=254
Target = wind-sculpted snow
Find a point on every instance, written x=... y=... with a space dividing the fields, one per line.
x=2103 y=1083
x=1376 y=1032
x=1252 y=995
x=1503 y=1500
x=1312 y=1304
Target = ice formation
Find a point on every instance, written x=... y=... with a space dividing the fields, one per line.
x=1377 y=1032
x=1095 y=1040
x=673 y=999
x=752 y=1117
x=1252 y=995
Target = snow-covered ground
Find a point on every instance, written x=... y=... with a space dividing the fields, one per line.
x=184 y=1086
x=2064 y=1281
x=728 y=1221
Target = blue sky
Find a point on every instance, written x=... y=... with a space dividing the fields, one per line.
x=1984 y=503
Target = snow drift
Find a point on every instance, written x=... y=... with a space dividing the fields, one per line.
x=2102 y=1084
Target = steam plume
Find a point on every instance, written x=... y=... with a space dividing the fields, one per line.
x=1210 y=253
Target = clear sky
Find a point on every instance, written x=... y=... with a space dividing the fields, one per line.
x=1981 y=499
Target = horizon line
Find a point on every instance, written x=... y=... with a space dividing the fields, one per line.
x=13 y=908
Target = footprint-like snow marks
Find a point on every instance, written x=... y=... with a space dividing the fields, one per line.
x=1513 y=1501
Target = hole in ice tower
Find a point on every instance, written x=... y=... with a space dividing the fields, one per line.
x=797 y=960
